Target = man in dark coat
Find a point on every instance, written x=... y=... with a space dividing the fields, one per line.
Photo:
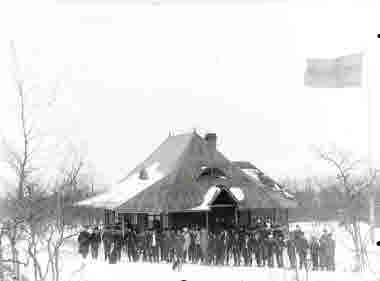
x=236 y=248
x=291 y=250
x=256 y=248
x=323 y=244
x=171 y=243
x=330 y=253
x=113 y=257
x=279 y=250
x=107 y=239
x=84 y=242
x=219 y=247
x=247 y=250
x=314 y=252
x=270 y=244
x=131 y=245
x=197 y=241
x=154 y=246
x=164 y=241
x=298 y=232
x=118 y=239
x=301 y=247
x=179 y=249
x=95 y=240
x=212 y=249
x=204 y=245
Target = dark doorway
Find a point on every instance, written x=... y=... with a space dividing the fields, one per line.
x=222 y=214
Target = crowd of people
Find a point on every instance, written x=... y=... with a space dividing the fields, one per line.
x=263 y=245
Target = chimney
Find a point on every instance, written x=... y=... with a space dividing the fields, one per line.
x=211 y=139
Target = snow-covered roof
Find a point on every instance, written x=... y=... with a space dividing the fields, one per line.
x=238 y=193
x=252 y=173
x=256 y=174
x=125 y=190
x=210 y=195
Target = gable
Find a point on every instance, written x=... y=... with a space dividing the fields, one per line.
x=224 y=198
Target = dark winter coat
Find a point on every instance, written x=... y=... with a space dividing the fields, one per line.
x=84 y=242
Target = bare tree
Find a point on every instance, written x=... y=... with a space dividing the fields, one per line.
x=34 y=215
x=352 y=185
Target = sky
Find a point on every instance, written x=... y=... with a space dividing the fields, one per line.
x=126 y=74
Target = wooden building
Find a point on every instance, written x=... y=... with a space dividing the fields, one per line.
x=186 y=180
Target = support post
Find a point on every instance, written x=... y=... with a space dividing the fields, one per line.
x=123 y=224
x=236 y=217
x=207 y=226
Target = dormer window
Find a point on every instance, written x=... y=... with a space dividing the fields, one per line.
x=143 y=175
x=212 y=172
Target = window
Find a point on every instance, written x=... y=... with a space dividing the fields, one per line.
x=213 y=172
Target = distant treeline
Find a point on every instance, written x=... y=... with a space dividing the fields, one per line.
x=328 y=204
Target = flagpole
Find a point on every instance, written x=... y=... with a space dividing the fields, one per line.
x=371 y=193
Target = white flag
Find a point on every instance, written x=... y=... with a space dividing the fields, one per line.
x=339 y=72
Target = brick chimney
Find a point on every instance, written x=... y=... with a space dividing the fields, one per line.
x=211 y=139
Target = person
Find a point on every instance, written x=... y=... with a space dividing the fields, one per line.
x=301 y=247
x=165 y=245
x=154 y=246
x=291 y=250
x=197 y=245
x=211 y=249
x=84 y=242
x=314 y=252
x=219 y=248
x=187 y=243
x=118 y=239
x=270 y=243
x=171 y=244
x=179 y=246
x=113 y=257
x=323 y=250
x=107 y=242
x=204 y=245
x=247 y=250
x=330 y=253
x=192 y=245
x=256 y=245
x=131 y=245
x=95 y=240
x=298 y=232
x=236 y=248
x=279 y=250
x=147 y=253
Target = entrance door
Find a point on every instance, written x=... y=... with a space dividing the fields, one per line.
x=222 y=214
x=221 y=217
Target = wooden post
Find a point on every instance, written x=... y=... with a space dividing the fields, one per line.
x=123 y=224
x=287 y=218
x=236 y=217
x=207 y=226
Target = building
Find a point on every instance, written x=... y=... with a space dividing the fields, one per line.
x=186 y=180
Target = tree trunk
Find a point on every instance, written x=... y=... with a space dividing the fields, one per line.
x=1 y=257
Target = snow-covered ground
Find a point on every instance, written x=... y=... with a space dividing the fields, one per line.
x=77 y=269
